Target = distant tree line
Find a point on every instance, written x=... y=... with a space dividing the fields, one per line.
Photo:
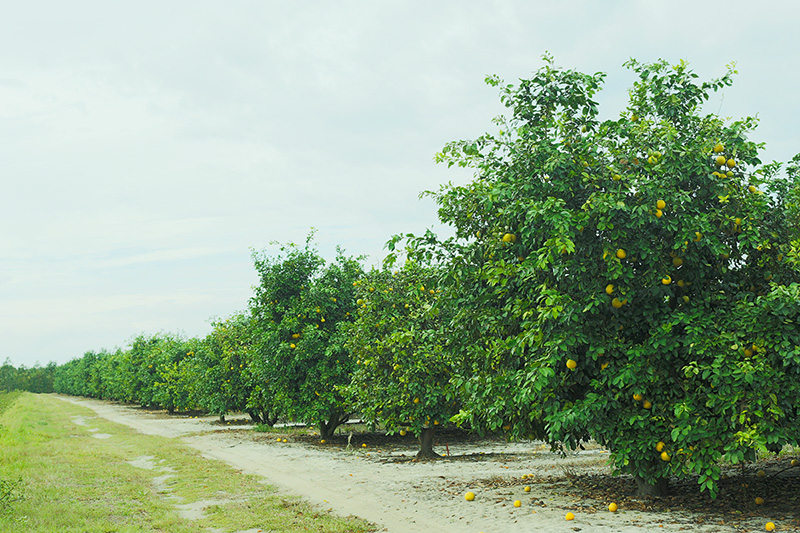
x=34 y=379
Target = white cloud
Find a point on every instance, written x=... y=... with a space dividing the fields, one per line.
x=146 y=147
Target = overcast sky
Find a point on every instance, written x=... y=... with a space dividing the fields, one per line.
x=147 y=147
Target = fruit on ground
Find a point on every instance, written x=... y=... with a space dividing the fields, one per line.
x=571 y=516
x=517 y=503
x=572 y=364
x=770 y=526
x=795 y=462
x=469 y=496
x=612 y=507
x=761 y=473
x=527 y=489
x=759 y=501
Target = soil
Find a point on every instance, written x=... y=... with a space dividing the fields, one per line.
x=377 y=477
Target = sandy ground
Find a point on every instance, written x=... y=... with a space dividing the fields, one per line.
x=385 y=487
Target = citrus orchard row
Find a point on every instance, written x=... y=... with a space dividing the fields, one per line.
x=632 y=281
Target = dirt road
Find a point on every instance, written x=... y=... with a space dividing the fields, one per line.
x=381 y=483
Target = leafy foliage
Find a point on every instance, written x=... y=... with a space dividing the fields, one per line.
x=400 y=341
x=301 y=308
x=603 y=270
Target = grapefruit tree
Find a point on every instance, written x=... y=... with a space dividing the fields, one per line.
x=402 y=378
x=301 y=308
x=626 y=280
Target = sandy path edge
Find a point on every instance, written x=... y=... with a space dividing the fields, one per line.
x=405 y=496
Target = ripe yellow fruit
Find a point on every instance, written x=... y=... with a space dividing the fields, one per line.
x=737 y=221
x=647 y=404
x=660 y=446
x=612 y=507
x=667 y=280
x=416 y=400
x=569 y=516
x=770 y=526
x=718 y=148
x=720 y=160
x=638 y=397
x=469 y=496
x=527 y=489
x=285 y=440
x=292 y=346
x=509 y=238
x=749 y=353
x=323 y=441
x=364 y=445
x=616 y=177
x=279 y=439
x=621 y=254
x=609 y=289
x=661 y=204
x=677 y=261
x=403 y=432
x=685 y=299
x=697 y=236
x=752 y=188
x=517 y=503
x=731 y=163
x=659 y=213
x=617 y=303
x=759 y=501
x=572 y=364
x=795 y=462
x=664 y=456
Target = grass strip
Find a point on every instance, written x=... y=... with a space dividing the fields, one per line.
x=83 y=473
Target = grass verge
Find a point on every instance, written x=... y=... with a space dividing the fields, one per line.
x=83 y=473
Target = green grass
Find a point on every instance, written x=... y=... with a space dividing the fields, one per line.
x=75 y=482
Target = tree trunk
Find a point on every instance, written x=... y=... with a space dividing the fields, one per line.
x=658 y=488
x=222 y=418
x=262 y=417
x=426 y=444
x=326 y=428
